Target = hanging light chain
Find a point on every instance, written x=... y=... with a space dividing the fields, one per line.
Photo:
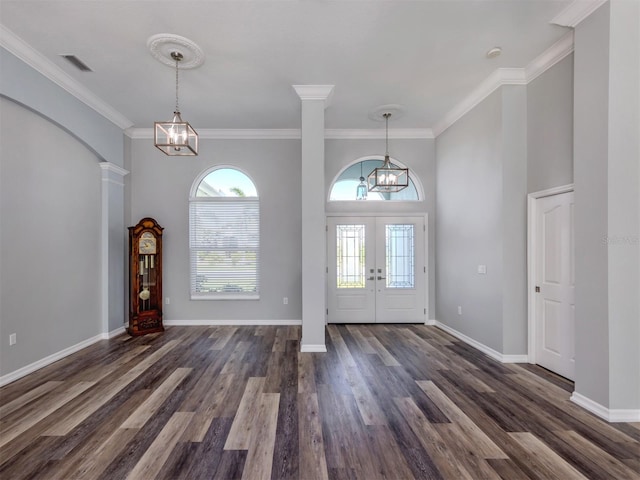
x=386 y=118
x=177 y=56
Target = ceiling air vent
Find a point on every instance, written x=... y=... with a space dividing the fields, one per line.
x=76 y=62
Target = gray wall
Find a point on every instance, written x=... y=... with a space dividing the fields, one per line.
x=469 y=224
x=50 y=211
x=607 y=220
x=419 y=156
x=550 y=128
x=591 y=145
x=158 y=186
x=517 y=140
x=25 y=85
x=514 y=220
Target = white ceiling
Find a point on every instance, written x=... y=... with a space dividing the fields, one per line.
x=425 y=55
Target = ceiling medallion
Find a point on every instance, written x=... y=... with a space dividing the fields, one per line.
x=381 y=113
x=163 y=45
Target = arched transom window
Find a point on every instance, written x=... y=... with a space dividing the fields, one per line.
x=348 y=186
x=224 y=236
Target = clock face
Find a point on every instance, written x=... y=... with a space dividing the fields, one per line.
x=147 y=244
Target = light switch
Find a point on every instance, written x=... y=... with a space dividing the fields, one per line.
x=482 y=269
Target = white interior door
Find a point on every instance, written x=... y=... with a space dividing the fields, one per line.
x=555 y=284
x=376 y=270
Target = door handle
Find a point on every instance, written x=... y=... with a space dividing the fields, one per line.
x=381 y=278
x=371 y=278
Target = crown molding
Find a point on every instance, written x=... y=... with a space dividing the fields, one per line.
x=291 y=134
x=576 y=12
x=364 y=134
x=500 y=77
x=18 y=47
x=571 y=16
x=550 y=57
x=228 y=133
x=508 y=76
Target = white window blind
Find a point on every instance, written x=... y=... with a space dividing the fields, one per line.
x=224 y=243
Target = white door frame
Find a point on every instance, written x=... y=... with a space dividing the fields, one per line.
x=532 y=252
x=387 y=214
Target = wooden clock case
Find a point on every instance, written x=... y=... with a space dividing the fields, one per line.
x=145 y=277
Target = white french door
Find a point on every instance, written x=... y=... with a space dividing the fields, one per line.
x=376 y=270
x=555 y=284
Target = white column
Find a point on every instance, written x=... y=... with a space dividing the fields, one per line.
x=623 y=216
x=314 y=100
x=113 y=249
x=607 y=211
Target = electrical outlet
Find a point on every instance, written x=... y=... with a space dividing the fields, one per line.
x=459 y=310
x=285 y=300
x=167 y=300
x=12 y=339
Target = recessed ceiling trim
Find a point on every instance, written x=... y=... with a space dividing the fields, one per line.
x=21 y=49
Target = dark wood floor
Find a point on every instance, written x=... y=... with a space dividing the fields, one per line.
x=393 y=402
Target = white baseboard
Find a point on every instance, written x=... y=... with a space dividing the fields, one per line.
x=608 y=414
x=115 y=333
x=313 y=348
x=431 y=322
x=500 y=357
x=26 y=370
x=191 y=323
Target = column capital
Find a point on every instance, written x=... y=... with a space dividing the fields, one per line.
x=314 y=92
x=108 y=167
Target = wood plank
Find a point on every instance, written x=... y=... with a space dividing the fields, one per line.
x=465 y=451
x=25 y=423
x=312 y=462
x=369 y=409
x=384 y=354
x=546 y=462
x=443 y=457
x=234 y=362
x=102 y=444
x=262 y=440
x=27 y=398
x=100 y=397
x=153 y=459
x=306 y=373
x=245 y=419
x=363 y=342
x=445 y=410
x=222 y=337
x=600 y=459
x=485 y=446
x=145 y=411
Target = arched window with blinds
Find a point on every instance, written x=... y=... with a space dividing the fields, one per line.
x=224 y=236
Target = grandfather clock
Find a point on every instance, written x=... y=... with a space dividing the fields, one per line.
x=145 y=277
